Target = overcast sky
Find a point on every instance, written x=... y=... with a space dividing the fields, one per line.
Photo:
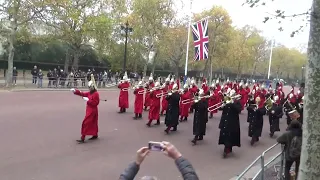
x=243 y=15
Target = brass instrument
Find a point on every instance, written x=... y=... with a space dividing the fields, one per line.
x=268 y=104
x=226 y=100
x=162 y=94
x=293 y=113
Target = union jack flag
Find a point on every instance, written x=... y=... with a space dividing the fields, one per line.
x=201 y=40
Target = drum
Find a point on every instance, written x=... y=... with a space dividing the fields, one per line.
x=294 y=114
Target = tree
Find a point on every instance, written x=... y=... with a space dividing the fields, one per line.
x=172 y=46
x=310 y=161
x=78 y=23
x=149 y=19
x=16 y=14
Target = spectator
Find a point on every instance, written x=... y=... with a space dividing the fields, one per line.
x=183 y=165
x=14 y=76
x=40 y=77
x=34 y=73
x=292 y=141
x=50 y=78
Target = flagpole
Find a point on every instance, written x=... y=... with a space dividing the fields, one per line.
x=188 y=40
x=270 y=58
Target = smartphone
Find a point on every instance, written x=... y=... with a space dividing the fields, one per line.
x=155 y=146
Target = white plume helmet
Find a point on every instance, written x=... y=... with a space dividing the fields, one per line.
x=228 y=90
x=262 y=86
x=90 y=84
x=240 y=84
x=298 y=92
x=201 y=92
x=140 y=84
x=302 y=98
x=192 y=82
x=290 y=95
x=213 y=85
x=185 y=86
x=253 y=81
x=228 y=80
x=151 y=77
x=253 y=91
x=246 y=84
x=172 y=80
x=167 y=79
x=157 y=84
x=257 y=88
x=125 y=76
x=232 y=92
x=217 y=81
x=175 y=86
x=276 y=98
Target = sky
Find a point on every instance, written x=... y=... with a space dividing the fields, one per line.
x=244 y=15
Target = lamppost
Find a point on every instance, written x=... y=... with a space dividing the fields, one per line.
x=126 y=30
x=302 y=72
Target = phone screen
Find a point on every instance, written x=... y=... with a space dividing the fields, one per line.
x=155 y=146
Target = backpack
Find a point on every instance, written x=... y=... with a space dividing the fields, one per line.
x=295 y=147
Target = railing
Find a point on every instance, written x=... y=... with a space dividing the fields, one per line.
x=273 y=167
x=29 y=82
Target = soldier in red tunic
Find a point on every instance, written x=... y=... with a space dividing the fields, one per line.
x=138 y=103
x=154 y=112
x=124 y=93
x=90 y=122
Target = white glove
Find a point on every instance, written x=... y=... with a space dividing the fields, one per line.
x=272 y=112
x=291 y=96
x=169 y=94
x=195 y=101
x=85 y=98
x=73 y=90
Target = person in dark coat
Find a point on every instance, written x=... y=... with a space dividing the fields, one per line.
x=229 y=124
x=172 y=112
x=200 y=118
x=275 y=113
x=300 y=109
x=184 y=166
x=251 y=102
x=255 y=116
x=294 y=129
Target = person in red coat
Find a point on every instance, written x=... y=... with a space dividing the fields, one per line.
x=244 y=96
x=213 y=99
x=138 y=102
x=184 y=108
x=247 y=89
x=149 y=86
x=154 y=112
x=164 y=102
x=124 y=94
x=205 y=86
x=90 y=122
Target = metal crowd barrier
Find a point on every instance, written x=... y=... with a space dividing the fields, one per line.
x=28 y=82
x=273 y=167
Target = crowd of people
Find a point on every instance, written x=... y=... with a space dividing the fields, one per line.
x=176 y=104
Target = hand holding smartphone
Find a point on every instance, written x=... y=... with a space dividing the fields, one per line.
x=155 y=146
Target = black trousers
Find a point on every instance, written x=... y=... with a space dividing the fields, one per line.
x=288 y=165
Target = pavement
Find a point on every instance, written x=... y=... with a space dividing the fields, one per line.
x=39 y=129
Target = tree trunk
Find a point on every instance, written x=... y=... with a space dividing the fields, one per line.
x=76 y=56
x=145 y=69
x=10 y=61
x=154 y=63
x=310 y=161
x=254 y=69
x=66 y=61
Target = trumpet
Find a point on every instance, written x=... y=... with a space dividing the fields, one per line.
x=227 y=100
x=268 y=104
x=167 y=93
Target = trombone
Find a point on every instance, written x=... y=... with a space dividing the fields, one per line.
x=227 y=100
x=162 y=94
x=268 y=104
x=125 y=89
x=194 y=99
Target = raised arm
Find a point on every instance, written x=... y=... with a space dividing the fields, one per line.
x=80 y=93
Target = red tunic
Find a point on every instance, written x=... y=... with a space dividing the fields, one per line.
x=213 y=100
x=124 y=95
x=205 y=88
x=147 y=100
x=184 y=108
x=138 y=102
x=164 y=102
x=90 y=121
x=154 y=112
x=244 y=97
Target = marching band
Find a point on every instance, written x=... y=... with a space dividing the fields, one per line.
x=231 y=98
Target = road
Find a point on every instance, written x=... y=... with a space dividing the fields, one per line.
x=39 y=130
